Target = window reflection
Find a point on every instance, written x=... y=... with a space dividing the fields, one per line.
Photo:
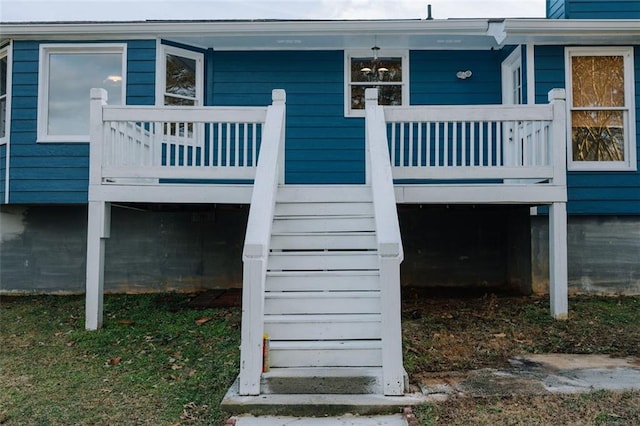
x=71 y=77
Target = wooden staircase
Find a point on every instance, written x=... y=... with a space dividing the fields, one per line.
x=322 y=305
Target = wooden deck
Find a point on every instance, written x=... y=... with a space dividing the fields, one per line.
x=304 y=240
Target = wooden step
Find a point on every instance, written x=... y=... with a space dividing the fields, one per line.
x=323 y=193
x=323 y=327
x=319 y=380
x=326 y=209
x=338 y=353
x=322 y=302
x=322 y=280
x=347 y=223
x=324 y=240
x=318 y=261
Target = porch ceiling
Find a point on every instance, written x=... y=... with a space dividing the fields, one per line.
x=463 y=34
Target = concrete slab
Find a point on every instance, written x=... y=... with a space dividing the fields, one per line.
x=317 y=404
x=346 y=420
x=539 y=375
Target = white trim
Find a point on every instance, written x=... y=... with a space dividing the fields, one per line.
x=508 y=66
x=8 y=51
x=630 y=160
x=161 y=81
x=348 y=54
x=531 y=74
x=43 y=82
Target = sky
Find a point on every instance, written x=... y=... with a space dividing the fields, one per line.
x=128 y=10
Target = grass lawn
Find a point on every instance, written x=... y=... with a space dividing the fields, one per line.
x=159 y=362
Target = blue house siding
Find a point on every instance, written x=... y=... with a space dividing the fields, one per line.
x=58 y=172
x=593 y=9
x=591 y=192
x=322 y=145
x=556 y=9
x=433 y=77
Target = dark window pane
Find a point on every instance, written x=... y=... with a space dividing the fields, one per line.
x=382 y=69
x=181 y=76
x=387 y=95
x=598 y=81
x=3 y=117
x=3 y=76
x=71 y=77
x=597 y=135
x=170 y=100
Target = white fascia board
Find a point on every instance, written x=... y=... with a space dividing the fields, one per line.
x=574 y=31
x=145 y=29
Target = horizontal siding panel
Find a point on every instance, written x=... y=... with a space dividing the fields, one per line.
x=599 y=9
x=48 y=197
x=53 y=162
x=62 y=173
x=604 y=194
x=608 y=208
x=58 y=185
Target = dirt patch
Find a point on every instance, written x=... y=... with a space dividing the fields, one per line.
x=470 y=333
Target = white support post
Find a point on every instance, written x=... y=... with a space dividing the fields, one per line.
x=392 y=369
x=252 y=325
x=279 y=99
x=559 y=136
x=99 y=216
x=98 y=229
x=558 y=286
x=371 y=101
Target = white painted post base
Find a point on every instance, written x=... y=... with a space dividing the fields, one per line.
x=98 y=230
x=558 y=287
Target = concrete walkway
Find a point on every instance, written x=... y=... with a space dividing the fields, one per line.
x=527 y=375
x=539 y=375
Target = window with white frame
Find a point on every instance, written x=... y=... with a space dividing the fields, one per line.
x=387 y=71
x=68 y=72
x=601 y=106
x=180 y=77
x=4 y=94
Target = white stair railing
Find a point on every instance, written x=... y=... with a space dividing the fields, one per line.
x=389 y=243
x=269 y=174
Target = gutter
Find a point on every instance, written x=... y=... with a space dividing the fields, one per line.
x=35 y=30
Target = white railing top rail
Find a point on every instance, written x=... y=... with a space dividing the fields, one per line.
x=380 y=177
x=457 y=113
x=173 y=114
x=269 y=173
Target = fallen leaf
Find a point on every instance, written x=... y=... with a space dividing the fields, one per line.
x=126 y=322
x=203 y=320
x=176 y=367
x=499 y=335
x=114 y=361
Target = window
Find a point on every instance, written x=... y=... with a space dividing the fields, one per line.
x=180 y=73
x=387 y=71
x=67 y=74
x=601 y=109
x=5 y=72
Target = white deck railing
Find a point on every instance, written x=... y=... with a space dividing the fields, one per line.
x=137 y=144
x=389 y=243
x=478 y=142
x=269 y=174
